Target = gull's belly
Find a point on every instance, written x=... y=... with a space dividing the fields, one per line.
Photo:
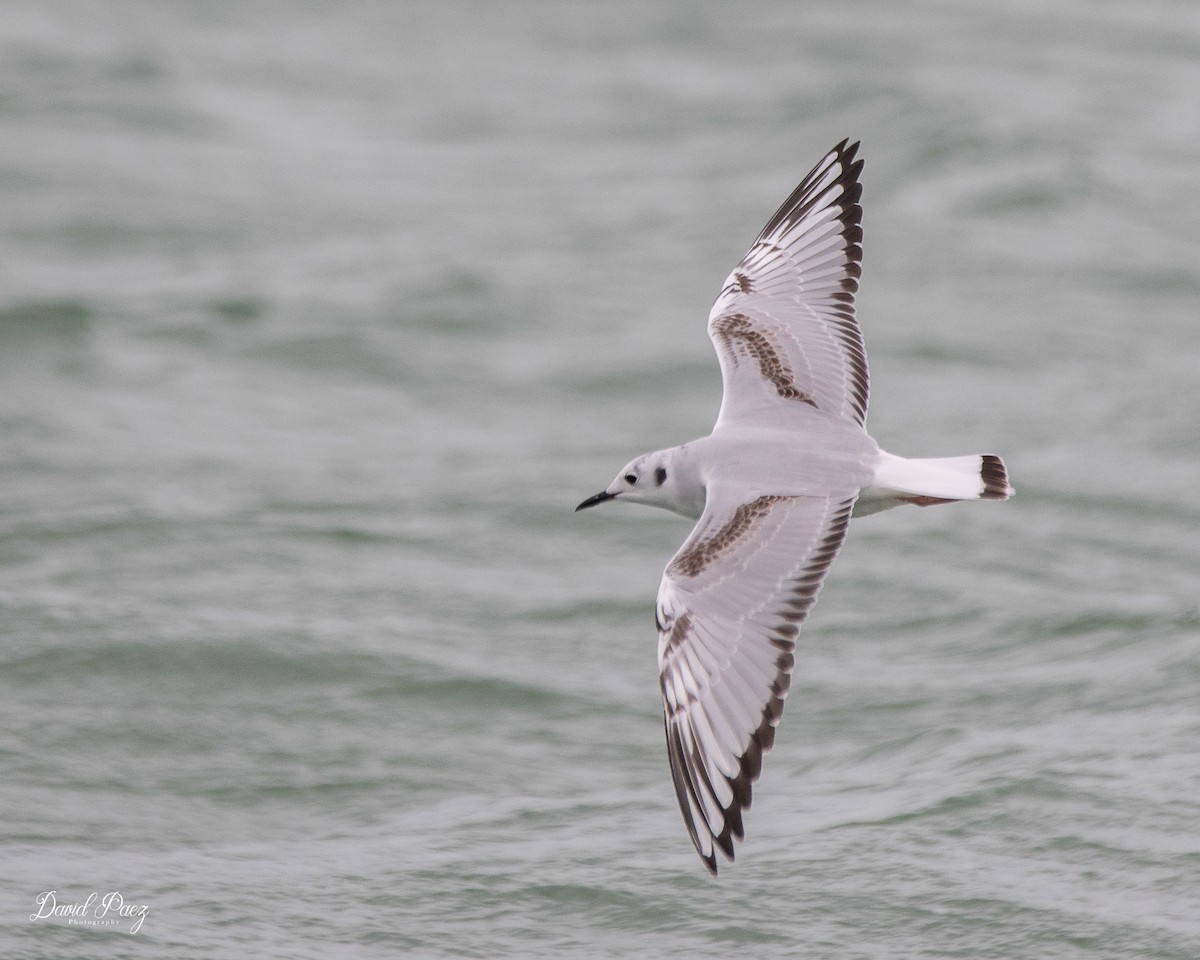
x=822 y=460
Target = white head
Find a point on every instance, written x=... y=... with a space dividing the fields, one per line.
x=654 y=479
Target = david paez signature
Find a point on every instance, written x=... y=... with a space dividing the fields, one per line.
x=108 y=910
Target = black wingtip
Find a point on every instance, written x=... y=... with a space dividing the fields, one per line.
x=843 y=154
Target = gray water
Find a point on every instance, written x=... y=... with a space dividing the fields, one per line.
x=316 y=321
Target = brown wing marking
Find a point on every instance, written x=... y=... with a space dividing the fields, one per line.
x=741 y=337
x=707 y=550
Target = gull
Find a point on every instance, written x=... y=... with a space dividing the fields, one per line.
x=773 y=488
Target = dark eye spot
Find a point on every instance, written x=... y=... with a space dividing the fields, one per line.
x=631 y=478
x=660 y=476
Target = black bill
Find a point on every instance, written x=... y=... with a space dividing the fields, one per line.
x=592 y=501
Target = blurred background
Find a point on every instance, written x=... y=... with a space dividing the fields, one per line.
x=316 y=321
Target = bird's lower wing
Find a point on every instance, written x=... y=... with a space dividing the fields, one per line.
x=729 y=609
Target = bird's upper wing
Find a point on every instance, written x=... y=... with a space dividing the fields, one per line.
x=784 y=325
x=729 y=609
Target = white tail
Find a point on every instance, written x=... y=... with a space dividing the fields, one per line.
x=939 y=480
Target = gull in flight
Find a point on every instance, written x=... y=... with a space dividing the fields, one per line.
x=773 y=488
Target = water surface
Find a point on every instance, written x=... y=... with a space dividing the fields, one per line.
x=317 y=320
